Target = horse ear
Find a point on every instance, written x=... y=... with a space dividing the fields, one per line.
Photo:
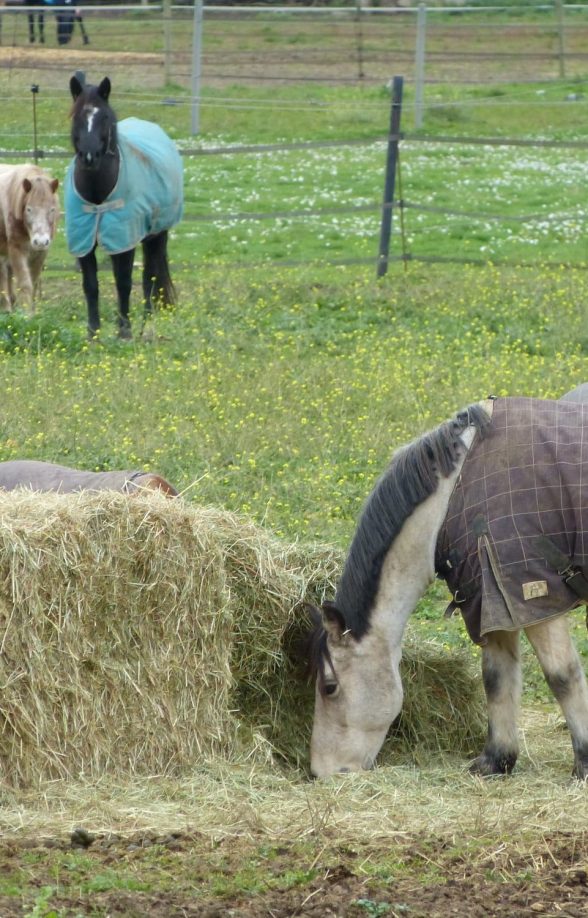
x=333 y=622
x=104 y=89
x=54 y=185
x=76 y=86
x=27 y=185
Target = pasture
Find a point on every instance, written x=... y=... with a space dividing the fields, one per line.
x=277 y=393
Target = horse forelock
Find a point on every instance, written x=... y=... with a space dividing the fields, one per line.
x=318 y=656
x=412 y=476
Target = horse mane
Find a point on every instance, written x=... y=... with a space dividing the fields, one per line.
x=412 y=476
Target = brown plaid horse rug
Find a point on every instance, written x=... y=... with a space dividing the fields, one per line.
x=515 y=537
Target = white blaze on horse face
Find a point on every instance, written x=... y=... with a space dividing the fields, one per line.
x=91 y=112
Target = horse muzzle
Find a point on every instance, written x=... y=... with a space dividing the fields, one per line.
x=40 y=241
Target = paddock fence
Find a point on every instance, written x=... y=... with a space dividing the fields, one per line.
x=417 y=225
x=212 y=49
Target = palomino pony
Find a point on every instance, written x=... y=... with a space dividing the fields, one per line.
x=124 y=186
x=495 y=501
x=29 y=210
x=46 y=476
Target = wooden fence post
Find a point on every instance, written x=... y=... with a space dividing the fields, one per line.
x=391 y=161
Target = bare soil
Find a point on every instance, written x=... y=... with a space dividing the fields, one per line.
x=151 y=876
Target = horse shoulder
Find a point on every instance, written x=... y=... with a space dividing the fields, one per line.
x=12 y=202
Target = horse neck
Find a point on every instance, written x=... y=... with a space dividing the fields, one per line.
x=409 y=566
x=95 y=186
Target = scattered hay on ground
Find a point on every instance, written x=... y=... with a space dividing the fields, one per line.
x=146 y=636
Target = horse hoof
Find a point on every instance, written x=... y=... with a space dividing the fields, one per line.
x=489 y=766
x=125 y=333
x=580 y=772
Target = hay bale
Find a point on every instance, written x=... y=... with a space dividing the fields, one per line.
x=115 y=636
x=146 y=636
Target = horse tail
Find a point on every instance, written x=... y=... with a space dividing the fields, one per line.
x=158 y=287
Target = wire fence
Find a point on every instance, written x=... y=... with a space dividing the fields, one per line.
x=153 y=45
x=409 y=241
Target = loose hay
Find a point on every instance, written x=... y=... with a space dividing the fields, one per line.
x=145 y=636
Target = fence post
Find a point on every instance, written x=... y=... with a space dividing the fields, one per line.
x=196 y=66
x=359 y=37
x=391 y=160
x=167 y=50
x=561 y=51
x=419 y=65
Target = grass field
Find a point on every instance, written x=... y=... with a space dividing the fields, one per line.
x=280 y=393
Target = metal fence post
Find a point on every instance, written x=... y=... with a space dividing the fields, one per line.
x=167 y=43
x=561 y=51
x=196 y=66
x=419 y=65
x=391 y=160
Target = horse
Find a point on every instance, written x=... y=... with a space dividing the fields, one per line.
x=29 y=211
x=124 y=186
x=47 y=476
x=494 y=501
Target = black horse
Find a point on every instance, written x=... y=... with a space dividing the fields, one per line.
x=124 y=186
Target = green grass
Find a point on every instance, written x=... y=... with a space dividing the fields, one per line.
x=282 y=392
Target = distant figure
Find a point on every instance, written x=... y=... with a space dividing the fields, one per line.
x=65 y=21
x=40 y=21
x=65 y=24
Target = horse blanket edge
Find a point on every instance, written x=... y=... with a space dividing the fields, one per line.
x=47 y=476
x=524 y=480
x=148 y=197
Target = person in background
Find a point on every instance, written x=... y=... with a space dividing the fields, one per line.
x=66 y=18
x=40 y=21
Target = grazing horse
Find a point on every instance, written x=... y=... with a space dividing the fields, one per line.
x=29 y=210
x=124 y=186
x=494 y=501
x=45 y=476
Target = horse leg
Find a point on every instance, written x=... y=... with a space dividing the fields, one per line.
x=122 y=266
x=157 y=282
x=89 y=268
x=36 y=263
x=22 y=276
x=501 y=672
x=565 y=676
x=5 y=297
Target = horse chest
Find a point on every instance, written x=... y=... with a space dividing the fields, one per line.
x=146 y=199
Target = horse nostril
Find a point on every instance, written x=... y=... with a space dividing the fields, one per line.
x=344 y=771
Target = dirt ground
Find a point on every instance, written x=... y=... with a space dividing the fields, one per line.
x=188 y=875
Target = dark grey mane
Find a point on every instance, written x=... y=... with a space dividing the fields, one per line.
x=412 y=476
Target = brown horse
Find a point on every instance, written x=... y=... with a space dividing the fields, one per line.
x=29 y=210
x=45 y=476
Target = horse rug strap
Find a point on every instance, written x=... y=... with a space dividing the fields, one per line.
x=46 y=476
x=147 y=199
x=514 y=544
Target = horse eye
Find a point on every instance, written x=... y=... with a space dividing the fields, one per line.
x=331 y=689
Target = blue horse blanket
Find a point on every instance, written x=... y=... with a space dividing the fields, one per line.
x=147 y=198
